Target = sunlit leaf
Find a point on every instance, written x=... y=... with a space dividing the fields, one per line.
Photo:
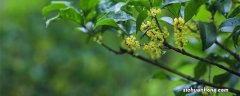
x=192 y=8
x=174 y=9
x=71 y=14
x=55 y=5
x=106 y=22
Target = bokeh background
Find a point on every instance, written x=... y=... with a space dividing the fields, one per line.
x=61 y=61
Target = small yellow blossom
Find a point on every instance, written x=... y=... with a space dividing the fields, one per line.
x=98 y=39
x=154 y=12
x=180 y=32
x=145 y=25
x=131 y=44
x=153 y=50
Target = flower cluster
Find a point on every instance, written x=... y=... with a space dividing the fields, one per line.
x=154 y=12
x=98 y=39
x=131 y=44
x=153 y=47
x=180 y=32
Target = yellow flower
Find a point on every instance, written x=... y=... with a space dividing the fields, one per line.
x=153 y=50
x=98 y=39
x=154 y=12
x=145 y=25
x=131 y=44
x=180 y=32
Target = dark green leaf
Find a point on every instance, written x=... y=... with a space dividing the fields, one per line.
x=192 y=8
x=106 y=22
x=200 y=69
x=168 y=2
x=71 y=14
x=128 y=27
x=229 y=24
x=174 y=9
x=224 y=6
x=141 y=17
x=235 y=12
x=221 y=79
x=55 y=5
x=160 y=75
x=236 y=34
x=208 y=34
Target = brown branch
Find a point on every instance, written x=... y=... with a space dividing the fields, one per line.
x=202 y=59
x=162 y=66
x=235 y=55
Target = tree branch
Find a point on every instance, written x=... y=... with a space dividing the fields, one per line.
x=201 y=59
x=235 y=55
x=162 y=66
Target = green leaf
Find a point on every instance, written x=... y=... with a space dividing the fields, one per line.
x=160 y=75
x=129 y=27
x=117 y=7
x=236 y=35
x=106 y=22
x=55 y=5
x=140 y=18
x=192 y=8
x=222 y=78
x=117 y=16
x=52 y=20
x=71 y=14
x=157 y=3
x=167 y=19
x=229 y=24
x=208 y=34
x=168 y=2
x=86 y=5
x=174 y=9
x=224 y=6
x=235 y=12
x=143 y=3
x=200 y=69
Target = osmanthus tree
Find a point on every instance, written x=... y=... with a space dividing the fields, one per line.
x=150 y=28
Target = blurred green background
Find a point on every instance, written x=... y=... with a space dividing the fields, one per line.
x=59 y=61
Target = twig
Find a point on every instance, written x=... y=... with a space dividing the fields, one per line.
x=171 y=70
x=235 y=55
x=202 y=59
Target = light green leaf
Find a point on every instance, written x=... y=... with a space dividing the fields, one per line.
x=106 y=22
x=192 y=8
x=55 y=5
x=208 y=34
x=52 y=20
x=71 y=14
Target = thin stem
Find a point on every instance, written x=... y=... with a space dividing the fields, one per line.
x=201 y=59
x=235 y=55
x=162 y=66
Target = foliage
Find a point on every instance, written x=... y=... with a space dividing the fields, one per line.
x=149 y=26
